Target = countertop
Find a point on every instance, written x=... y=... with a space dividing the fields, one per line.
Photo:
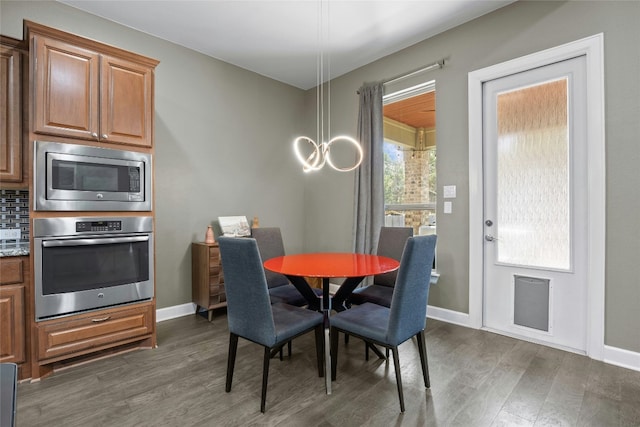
x=7 y=252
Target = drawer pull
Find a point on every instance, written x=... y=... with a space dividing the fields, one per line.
x=103 y=319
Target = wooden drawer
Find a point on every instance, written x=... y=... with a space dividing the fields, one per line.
x=91 y=332
x=11 y=271
x=217 y=294
x=214 y=254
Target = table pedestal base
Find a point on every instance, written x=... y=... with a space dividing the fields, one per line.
x=354 y=273
x=327 y=360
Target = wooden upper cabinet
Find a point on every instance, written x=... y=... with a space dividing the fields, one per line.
x=10 y=111
x=66 y=89
x=88 y=90
x=127 y=102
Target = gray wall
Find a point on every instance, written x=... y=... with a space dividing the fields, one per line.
x=223 y=140
x=518 y=29
x=223 y=137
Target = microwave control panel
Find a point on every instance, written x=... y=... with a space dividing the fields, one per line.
x=97 y=226
x=134 y=179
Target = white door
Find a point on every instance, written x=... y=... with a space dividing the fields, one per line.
x=535 y=204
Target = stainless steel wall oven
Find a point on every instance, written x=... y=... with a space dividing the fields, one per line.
x=87 y=263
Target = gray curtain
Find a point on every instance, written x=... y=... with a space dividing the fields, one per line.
x=369 y=185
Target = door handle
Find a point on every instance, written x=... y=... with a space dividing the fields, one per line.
x=489 y=238
x=96 y=241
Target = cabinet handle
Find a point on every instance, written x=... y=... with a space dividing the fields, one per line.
x=103 y=319
x=105 y=136
x=94 y=135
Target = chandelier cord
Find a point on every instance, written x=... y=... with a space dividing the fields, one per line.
x=328 y=70
x=318 y=73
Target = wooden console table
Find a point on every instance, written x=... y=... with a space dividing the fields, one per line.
x=207 y=282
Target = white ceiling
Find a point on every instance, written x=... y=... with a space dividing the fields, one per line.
x=282 y=39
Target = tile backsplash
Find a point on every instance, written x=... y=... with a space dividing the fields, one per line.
x=14 y=214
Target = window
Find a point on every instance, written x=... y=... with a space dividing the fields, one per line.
x=410 y=191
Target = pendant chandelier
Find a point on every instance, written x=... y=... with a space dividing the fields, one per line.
x=311 y=154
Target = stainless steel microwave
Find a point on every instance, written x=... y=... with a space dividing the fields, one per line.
x=74 y=177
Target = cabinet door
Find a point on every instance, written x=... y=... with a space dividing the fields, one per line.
x=12 y=332
x=127 y=102
x=66 y=89
x=10 y=115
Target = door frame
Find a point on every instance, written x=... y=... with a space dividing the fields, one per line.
x=593 y=49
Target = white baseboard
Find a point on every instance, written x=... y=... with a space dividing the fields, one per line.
x=623 y=358
x=175 y=311
x=449 y=316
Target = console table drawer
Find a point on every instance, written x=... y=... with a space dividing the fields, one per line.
x=93 y=331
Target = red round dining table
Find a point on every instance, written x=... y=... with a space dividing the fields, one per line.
x=326 y=265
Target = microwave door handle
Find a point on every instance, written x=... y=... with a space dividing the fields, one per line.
x=98 y=241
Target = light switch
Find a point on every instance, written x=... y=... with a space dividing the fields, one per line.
x=449 y=191
x=447 y=207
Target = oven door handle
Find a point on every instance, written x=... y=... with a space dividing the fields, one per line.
x=98 y=241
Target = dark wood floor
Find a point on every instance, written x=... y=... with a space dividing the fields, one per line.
x=477 y=379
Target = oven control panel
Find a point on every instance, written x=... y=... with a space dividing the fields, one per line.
x=98 y=226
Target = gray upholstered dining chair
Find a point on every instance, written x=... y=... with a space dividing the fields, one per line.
x=406 y=318
x=270 y=245
x=251 y=315
x=390 y=244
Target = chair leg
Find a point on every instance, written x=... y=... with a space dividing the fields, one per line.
x=231 y=360
x=265 y=377
x=281 y=352
x=396 y=364
x=320 y=349
x=334 y=353
x=422 y=349
x=372 y=346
